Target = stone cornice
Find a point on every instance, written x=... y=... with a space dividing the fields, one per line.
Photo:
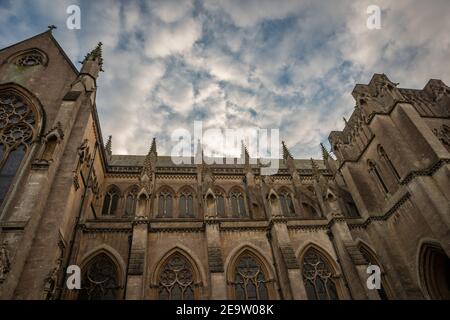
x=425 y=172
x=384 y=216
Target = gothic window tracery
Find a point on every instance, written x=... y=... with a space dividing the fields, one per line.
x=165 y=203
x=17 y=129
x=30 y=59
x=238 y=204
x=110 y=203
x=220 y=203
x=176 y=279
x=318 y=277
x=130 y=203
x=250 y=282
x=287 y=205
x=186 y=204
x=99 y=280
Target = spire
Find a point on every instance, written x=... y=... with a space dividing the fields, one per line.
x=286 y=153
x=95 y=54
x=150 y=160
x=108 y=146
x=199 y=153
x=93 y=62
x=244 y=152
x=315 y=170
x=325 y=153
x=153 y=147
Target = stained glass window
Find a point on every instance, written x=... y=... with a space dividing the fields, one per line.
x=17 y=122
x=318 y=277
x=176 y=279
x=99 y=280
x=250 y=282
x=30 y=59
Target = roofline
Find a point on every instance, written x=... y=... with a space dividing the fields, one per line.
x=54 y=41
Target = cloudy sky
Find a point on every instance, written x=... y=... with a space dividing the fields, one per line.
x=237 y=64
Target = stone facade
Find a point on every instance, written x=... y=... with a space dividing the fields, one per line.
x=140 y=227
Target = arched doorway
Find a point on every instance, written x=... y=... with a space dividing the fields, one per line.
x=434 y=268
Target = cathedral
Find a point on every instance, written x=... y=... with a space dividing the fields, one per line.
x=141 y=227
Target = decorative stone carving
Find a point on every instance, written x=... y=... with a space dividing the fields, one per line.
x=437 y=90
x=83 y=151
x=30 y=59
x=443 y=134
x=76 y=182
x=5 y=263
x=51 y=282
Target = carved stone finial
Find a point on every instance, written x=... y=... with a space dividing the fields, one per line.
x=51 y=27
x=286 y=153
x=315 y=170
x=51 y=281
x=5 y=263
x=325 y=153
x=108 y=146
x=95 y=55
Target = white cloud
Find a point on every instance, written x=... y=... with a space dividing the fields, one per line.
x=171 y=11
x=175 y=38
x=273 y=64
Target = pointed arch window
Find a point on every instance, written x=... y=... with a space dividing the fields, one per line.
x=375 y=172
x=250 y=282
x=17 y=129
x=220 y=202
x=186 y=204
x=165 y=204
x=383 y=155
x=318 y=277
x=238 y=205
x=110 y=202
x=130 y=203
x=352 y=209
x=287 y=205
x=100 y=280
x=309 y=210
x=176 y=279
